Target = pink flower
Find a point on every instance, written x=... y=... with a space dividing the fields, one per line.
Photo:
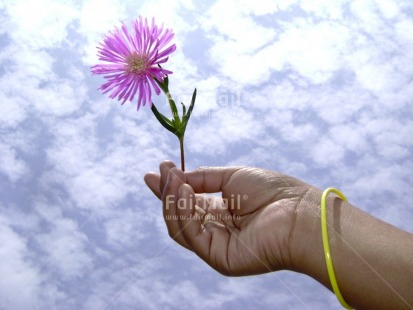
x=132 y=60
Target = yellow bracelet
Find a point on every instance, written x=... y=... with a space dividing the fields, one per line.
x=326 y=244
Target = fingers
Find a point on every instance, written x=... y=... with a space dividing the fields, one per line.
x=164 y=168
x=210 y=179
x=209 y=239
x=153 y=180
x=185 y=212
x=157 y=182
x=190 y=226
x=165 y=186
x=202 y=180
x=171 y=202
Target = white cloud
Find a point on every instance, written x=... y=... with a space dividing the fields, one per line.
x=11 y=164
x=99 y=170
x=124 y=229
x=239 y=31
x=64 y=244
x=392 y=138
x=12 y=111
x=72 y=151
x=46 y=28
x=58 y=98
x=20 y=281
x=29 y=64
x=339 y=106
x=97 y=188
x=328 y=152
x=352 y=136
x=169 y=15
x=376 y=77
x=96 y=18
x=314 y=50
x=225 y=126
x=384 y=179
x=259 y=8
x=207 y=93
x=402 y=29
x=231 y=29
x=32 y=83
x=325 y=9
x=389 y=9
x=365 y=13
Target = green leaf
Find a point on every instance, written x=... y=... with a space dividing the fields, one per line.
x=172 y=105
x=185 y=118
x=165 y=122
x=175 y=114
x=191 y=106
x=163 y=85
x=184 y=110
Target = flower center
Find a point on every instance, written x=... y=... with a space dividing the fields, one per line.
x=136 y=63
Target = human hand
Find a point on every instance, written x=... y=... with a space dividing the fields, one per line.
x=250 y=230
x=267 y=221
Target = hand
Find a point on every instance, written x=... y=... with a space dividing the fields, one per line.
x=266 y=221
x=249 y=230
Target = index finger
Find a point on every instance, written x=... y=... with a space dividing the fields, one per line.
x=210 y=179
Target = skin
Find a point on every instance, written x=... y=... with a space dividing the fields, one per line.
x=267 y=221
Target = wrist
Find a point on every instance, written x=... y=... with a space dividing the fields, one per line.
x=363 y=250
x=307 y=253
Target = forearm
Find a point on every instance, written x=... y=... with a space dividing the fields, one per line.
x=373 y=260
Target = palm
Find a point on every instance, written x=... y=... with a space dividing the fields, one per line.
x=254 y=202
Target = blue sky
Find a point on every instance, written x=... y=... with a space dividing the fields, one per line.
x=321 y=90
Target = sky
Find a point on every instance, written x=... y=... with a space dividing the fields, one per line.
x=320 y=90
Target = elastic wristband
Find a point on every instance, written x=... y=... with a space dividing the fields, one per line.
x=326 y=244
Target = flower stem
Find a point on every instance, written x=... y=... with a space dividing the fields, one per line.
x=181 y=146
x=176 y=125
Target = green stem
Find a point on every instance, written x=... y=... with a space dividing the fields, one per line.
x=181 y=146
x=176 y=125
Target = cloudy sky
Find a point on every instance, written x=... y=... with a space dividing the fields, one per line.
x=321 y=90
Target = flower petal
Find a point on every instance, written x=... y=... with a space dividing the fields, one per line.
x=131 y=59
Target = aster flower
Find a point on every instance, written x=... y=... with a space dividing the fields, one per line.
x=133 y=66
x=133 y=61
